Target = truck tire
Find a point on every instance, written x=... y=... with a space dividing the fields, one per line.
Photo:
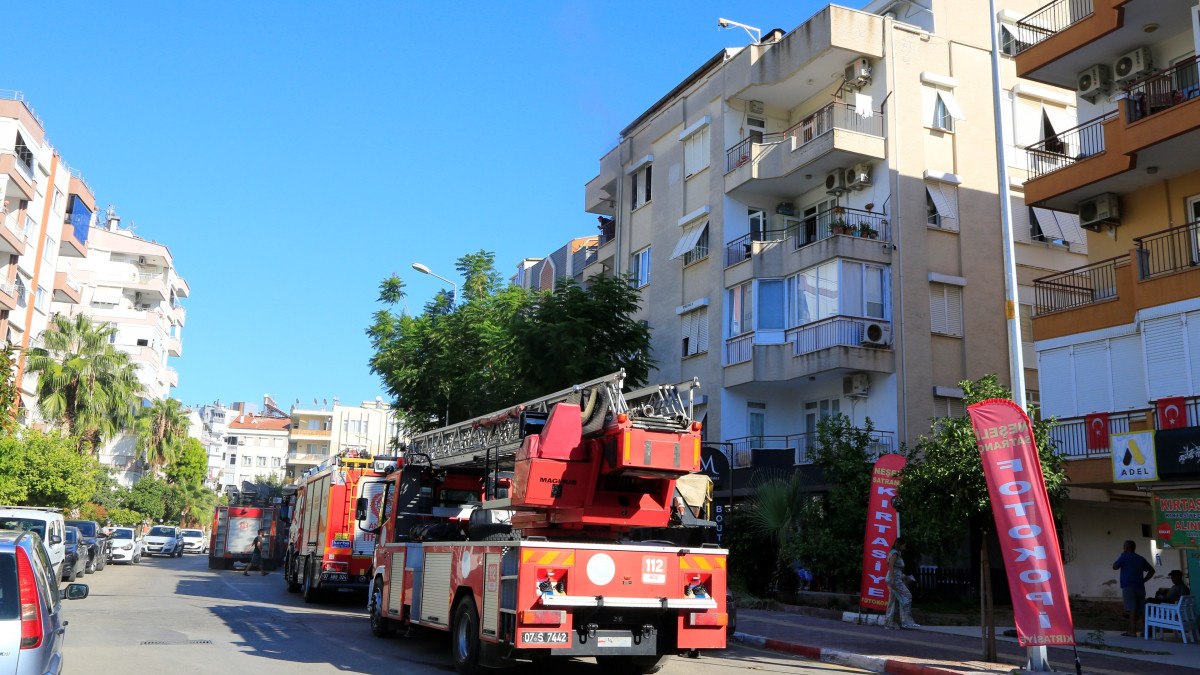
x=289 y=574
x=631 y=665
x=464 y=640
x=216 y=563
x=381 y=626
x=307 y=588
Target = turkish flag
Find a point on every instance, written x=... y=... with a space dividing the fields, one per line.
x=1172 y=413
x=1097 y=431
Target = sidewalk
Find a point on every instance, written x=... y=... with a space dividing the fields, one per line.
x=943 y=650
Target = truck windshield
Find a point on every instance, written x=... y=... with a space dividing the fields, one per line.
x=162 y=532
x=24 y=524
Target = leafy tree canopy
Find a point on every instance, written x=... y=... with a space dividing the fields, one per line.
x=149 y=497
x=191 y=463
x=46 y=469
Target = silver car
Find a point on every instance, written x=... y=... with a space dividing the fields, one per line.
x=31 y=621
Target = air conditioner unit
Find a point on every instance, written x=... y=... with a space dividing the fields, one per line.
x=1099 y=210
x=877 y=334
x=859 y=176
x=754 y=107
x=1133 y=65
x=1094 y=82
x=856 y=385
x=835 y=182
x=858 y=73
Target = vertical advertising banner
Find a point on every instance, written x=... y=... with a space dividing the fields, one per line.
x=1024 y=523
x=882 y=530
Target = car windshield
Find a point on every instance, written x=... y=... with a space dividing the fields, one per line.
x=193 y=533
x=162 y=532
x=86 y=527
x=122 y=533
x=72 y=535
x=26 y=524
x=8 y=586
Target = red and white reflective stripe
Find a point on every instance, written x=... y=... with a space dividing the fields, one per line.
x=709 y=619
x=31 y=603
x=547 y=617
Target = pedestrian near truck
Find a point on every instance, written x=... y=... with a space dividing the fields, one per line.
x=256 y=556
x=1135 y=572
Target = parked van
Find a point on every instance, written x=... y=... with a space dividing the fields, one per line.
x=47 y=522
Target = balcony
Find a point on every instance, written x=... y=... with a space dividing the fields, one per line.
x=798 y=159
x=174 y=346
x=582 y=257
x=1173 y=250
x=75 y=235
x=67 y=289
x=19 y=184
x=836 y=345
x=796 y=449
x=305 y=459
x=12 y=239
x=9 y=298
x=319 y=434
x=171 y=376
x=151 y=284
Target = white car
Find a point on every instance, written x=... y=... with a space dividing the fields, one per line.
x=163 y=540
x=126 y=545
x=194 y=541
x=46 y=522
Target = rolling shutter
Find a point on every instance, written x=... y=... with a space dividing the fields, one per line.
x=1128 y=373
x=1057 y=382
x=1092 y=386
x=945 y=309
x=435 y=589
x=1166 y=367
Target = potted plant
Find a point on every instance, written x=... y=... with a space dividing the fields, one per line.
x=840 y=226
x=866 y=231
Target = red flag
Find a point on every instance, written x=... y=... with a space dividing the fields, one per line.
x=1172 y=413
x=1024 y=522
x=882 y=528
x=1097 y=431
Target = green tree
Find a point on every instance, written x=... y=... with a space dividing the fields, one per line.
x=84 y=383
x=190 y=465
x=150 y=497
x=46 y=469
x=161 y=427
x=943 y=499
x=8 y=390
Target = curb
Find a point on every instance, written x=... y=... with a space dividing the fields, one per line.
x=874 y=664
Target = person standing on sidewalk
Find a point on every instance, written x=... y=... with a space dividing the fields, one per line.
x=1133 y=584
x=899 y=607
x=256 y=556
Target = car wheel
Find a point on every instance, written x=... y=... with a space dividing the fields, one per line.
x=71 y=574
x=101 y=562
x=89 y=567
x=137 y=559
x=465 y=639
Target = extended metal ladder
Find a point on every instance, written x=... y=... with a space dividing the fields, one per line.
x=491 y=440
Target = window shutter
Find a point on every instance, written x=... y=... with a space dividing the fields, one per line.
x=1192 y=330
x=701 y=329
x=1166 y=369
x=1057 y=383
x=689 y=334
x=1021 y=227
x=1128 y=373
x=937 y=308
x=1092 y=377
x=945 y=309
x=648 y=174
x=954 y=315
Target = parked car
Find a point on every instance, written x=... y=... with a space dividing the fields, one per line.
x=46 y=522
x=75 y=556
x=31 y=618
x=163 y=540
x=93 y=542
x=194 y=541
x=126 y=545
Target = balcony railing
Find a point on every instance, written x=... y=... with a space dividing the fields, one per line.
x=833 y=116
x=320 y=433
x=840 y=220
x=1171 y=250
x=743 y=247
x=1079 y=287
x=1068 y=147
x=1163 y=90
x=1050 y=19
x=738 y=154
x=80 y=224
x=801 y=448
x=739 y=349
x=583 y=257
x=838 y=331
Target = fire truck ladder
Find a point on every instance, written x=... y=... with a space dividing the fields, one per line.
x=492 y=440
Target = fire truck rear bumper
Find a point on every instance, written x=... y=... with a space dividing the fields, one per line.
x=620 y=642
x=335 y=581
x=635 y=603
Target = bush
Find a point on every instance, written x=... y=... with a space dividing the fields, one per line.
x=751 y=557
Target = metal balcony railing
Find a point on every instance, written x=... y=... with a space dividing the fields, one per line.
x=1068 y=147
x=583 y=257
x=743 y=247
x=1079 y=287
x=738 y=154
x=1170 y=250
x=14 y=95
x=840 y=220
x=801 y=447
x=833 y=116
x=1050 y=19
x=739 y=349
x=1163 y=90
x=838 y=331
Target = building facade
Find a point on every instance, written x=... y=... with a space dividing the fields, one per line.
x=1118 y=338
x=815 y=226
x=324 y=430
x=568 y=262
x=257 y=449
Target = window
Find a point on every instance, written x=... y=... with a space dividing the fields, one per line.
x=262 y=462
x=56 y=202
x=21 y=291
x=941 y=205
x=813 y=294
x=1009 y=44
x=40 y=299
x=947 y=406
x=695 y=332
x=771 y=303
x=641 y=268
x=861 y=290
x=758 y=224
x=941 y=108
x=50 y=246
x=945 y=309
x=143 y=342
x=275 y=462
x=696 y=153
x=314 y=425
x=640 y=179
x=756 y=419
x=741 y=309
x=246 y=460
x=30 y=228
x=700 y=250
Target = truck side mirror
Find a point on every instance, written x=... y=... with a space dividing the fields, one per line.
x=360 y=509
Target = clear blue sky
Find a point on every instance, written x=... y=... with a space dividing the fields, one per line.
x=293 y=154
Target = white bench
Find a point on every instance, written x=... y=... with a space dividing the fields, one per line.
x=1180 y=616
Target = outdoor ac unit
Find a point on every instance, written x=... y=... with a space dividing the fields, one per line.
x=859 y=176
x=856 y=385
x=1100 y=210
x=858 y=73
x=1133 y=65
x=835 y=182
x=755 y=107
x=1094 y=82
x=877 y=334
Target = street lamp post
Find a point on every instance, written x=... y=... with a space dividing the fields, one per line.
x=423 y=269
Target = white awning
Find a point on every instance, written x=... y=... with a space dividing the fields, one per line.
x=29 y=402
x=106 y=295
x=951 y=104
x=942 y=195
x=688 y=240
x=1048 y=223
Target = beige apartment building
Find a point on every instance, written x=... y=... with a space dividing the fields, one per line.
x=1118 y=338
x=325 y=429
x=814 y=222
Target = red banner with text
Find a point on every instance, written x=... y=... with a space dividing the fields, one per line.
x=1024 y=523
x=882 y=529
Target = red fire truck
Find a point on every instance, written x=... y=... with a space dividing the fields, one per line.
x=512 y=532
x=324 y=550
x=233 y=531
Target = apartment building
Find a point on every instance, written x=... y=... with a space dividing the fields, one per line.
x=326 y=429
x=45 y=214
x=257 y=448
x=212 y=433
x=814 y=223
x=1118 y=338
x=569 y=261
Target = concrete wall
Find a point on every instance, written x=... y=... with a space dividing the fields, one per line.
x=1093 y=532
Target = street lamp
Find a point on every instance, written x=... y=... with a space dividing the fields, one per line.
x=425 y=270
x=753 y=32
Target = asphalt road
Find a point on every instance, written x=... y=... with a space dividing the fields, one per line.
x=177 y=616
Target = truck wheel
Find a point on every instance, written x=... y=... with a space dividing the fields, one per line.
x=215 y=563
x=465 y=639
x=307 y=588
x=631 y=665
x=289 y=575
x=381 y=627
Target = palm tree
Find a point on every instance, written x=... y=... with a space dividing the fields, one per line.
x=84 y=383
x=161 y=426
